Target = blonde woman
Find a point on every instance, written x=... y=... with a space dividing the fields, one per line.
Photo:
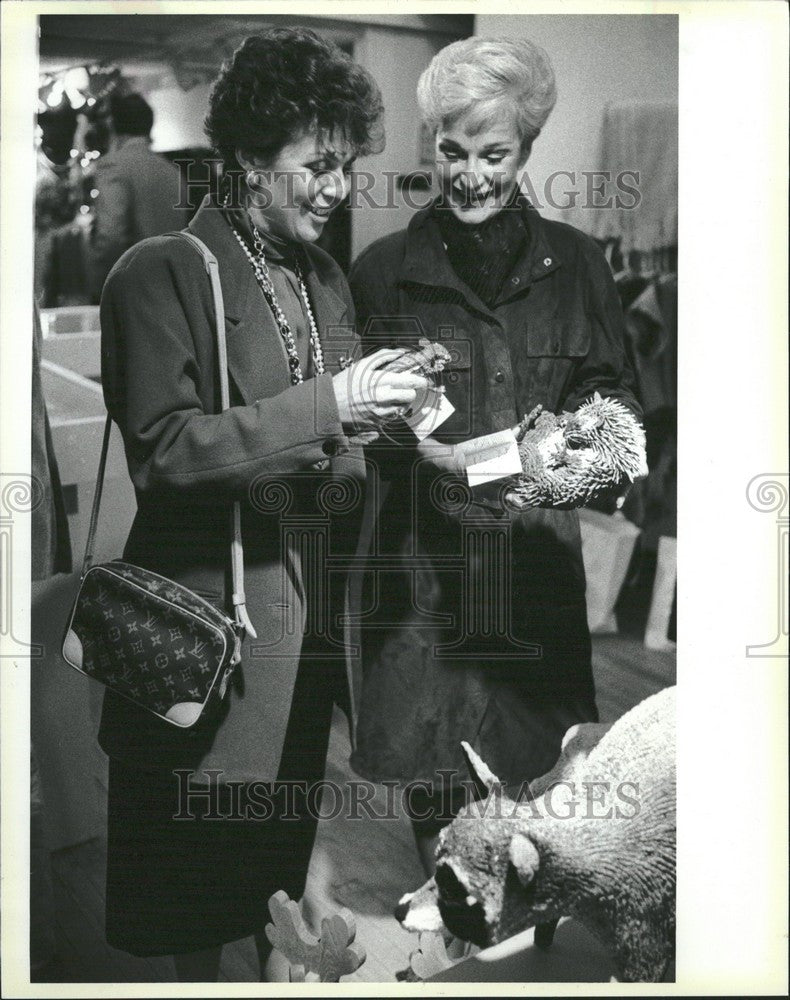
x=482 y=633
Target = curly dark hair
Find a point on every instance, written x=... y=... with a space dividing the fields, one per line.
x=283 y=81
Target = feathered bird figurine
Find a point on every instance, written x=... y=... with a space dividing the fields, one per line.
x=574 y=458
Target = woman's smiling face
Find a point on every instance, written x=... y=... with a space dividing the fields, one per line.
x=478 y=167
x=294 y=194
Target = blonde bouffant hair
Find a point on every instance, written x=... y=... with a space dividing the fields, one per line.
x=480 y=76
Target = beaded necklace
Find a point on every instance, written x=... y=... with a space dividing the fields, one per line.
x=263 y=277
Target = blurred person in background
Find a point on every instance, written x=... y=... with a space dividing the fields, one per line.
x=138 y=190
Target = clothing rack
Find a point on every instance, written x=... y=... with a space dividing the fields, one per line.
x=647 y=285
x=643 y=263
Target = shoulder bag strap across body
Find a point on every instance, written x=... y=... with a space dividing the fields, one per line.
x=236 y=550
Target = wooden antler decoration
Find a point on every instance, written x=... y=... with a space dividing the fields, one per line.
x=314 y=960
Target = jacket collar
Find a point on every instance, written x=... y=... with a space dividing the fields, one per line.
x=257 y=358
x=236 y=275
x=425 y=261
x=539 y=259
x=329 y=308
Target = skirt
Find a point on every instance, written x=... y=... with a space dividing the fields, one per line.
x=192 y=866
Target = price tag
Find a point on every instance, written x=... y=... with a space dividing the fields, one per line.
x=493 y=456
x=435 y=408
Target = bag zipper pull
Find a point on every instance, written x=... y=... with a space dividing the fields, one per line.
x=238 y=635
x=223 y=684
x=235 y=660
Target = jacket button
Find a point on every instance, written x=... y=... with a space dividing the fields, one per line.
x=547 y=262
x=515 y=281
x=499 y=377
x=330 y=447
x=555 y=346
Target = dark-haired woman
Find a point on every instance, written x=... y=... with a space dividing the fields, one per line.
x=204 y=828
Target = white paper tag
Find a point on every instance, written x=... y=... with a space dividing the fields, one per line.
x=435 y=409
x=493 y=456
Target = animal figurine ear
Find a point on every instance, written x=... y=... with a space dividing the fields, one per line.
x=524 y=857
x=484 y=778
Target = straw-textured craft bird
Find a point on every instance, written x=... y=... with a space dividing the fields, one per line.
x=574 y=458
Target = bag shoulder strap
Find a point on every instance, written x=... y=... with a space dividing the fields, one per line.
x=236 y=548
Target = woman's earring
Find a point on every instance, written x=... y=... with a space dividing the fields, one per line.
x=252 y=179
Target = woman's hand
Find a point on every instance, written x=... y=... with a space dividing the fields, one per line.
x=368 y=397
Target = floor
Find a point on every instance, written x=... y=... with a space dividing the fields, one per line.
x=362 y=864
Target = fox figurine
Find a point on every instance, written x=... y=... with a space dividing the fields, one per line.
x=594 y=840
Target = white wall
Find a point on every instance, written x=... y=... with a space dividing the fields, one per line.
x=598 y=59
x=396 y=60
x=178 y=115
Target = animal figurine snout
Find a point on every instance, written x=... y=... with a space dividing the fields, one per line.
x=419 y=911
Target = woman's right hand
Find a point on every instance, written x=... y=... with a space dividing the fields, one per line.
x=368 y=397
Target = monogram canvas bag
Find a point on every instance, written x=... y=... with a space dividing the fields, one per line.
x=148 y=638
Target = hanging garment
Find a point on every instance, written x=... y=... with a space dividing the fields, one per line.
x=651 y=323
x=641 y=138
